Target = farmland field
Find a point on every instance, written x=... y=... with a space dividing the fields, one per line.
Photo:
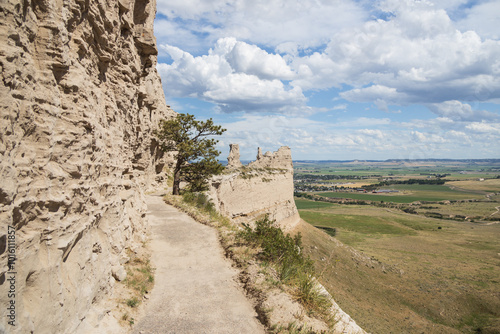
x=392 y=264
x=305 y=204
x=444 y=275
x=409 y=193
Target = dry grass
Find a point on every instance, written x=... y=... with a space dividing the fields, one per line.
x=488 y=185
x=430 y=280
x=136 y=286
x=467 y=209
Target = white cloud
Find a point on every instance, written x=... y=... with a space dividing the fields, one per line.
x=234 y=75
x=487 y=128
x=427 y=137
x=483 y=19
x=462 y=112
x=340 y=107
x=372 y=133
x=417 y=56
x=377 y=93
x=250 y=59
x=307 y=23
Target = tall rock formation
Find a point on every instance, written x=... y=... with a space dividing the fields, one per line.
x=233 y=160
x=80 y=96
x=263 y=187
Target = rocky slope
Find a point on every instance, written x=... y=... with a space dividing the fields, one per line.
x=264 y=186
x=80 y=96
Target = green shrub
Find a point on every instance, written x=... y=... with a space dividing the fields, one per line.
x=204 y=205
x=284 y=251
x=311 y=297
x=133 y=302
x=200 y=201
x=293 y=267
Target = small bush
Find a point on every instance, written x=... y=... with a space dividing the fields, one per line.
x=282 y=250
x=200 y=201
x=293 y=267
x=133 y=302
x=311 y=297
x=200 y=207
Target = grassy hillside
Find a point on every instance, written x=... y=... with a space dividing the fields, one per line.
x=401 y=273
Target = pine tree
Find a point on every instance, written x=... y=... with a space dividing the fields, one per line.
x=195 y=153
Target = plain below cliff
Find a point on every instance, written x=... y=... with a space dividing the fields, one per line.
x=196 y=289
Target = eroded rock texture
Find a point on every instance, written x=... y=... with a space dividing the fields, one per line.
x=263 y=187
x=233 y=160
x=79 y=98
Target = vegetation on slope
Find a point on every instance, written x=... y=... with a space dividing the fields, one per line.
x=280 y=258
x=135 y=288
x=396 y=272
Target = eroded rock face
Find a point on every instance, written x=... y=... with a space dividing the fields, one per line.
x=233 y=160
x=80 y=96
x=263 y=187
x=281 y=159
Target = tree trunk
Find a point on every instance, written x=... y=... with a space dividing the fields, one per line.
x=177 y=181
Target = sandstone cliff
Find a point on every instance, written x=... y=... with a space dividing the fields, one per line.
x=264 y=186
x=80 y=96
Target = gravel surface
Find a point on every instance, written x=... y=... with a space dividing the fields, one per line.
x=195 y=287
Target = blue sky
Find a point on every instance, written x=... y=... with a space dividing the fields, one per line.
x=337 y=79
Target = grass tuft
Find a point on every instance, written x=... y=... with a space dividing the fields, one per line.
x=132 y=302
x=140 y=278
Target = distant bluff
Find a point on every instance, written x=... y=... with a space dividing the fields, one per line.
x=80 y=96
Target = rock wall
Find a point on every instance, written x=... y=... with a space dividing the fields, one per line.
x=264 y=186
x=233 y=160
x=80 y=96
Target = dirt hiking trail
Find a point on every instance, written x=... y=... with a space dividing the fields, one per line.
x=195 y=286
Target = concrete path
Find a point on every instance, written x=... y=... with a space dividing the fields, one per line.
x=195 y=287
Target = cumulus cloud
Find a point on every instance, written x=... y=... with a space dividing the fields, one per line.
x=416 y=56
x=481 y=127
x=483 y=19
x=459 y=111
x=377 y=93
x=307 y=23
x=234 y=75
x=266 y=57
x=250 y=59
x=372 y=133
